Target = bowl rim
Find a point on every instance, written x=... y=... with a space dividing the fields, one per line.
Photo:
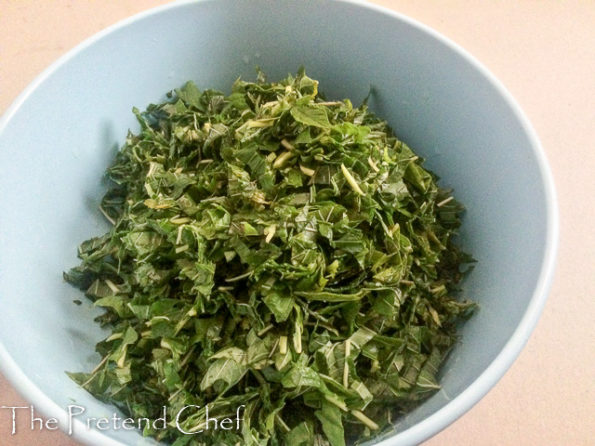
x=459 y=405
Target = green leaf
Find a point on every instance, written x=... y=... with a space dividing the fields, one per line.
x=116 y=303
x=311 y=115
x=226 y=370
x=332 y=423
x=190 y=94
x=280 y=306
x=301 y=435
x=301 y=376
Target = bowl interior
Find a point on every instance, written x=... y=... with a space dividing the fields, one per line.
x=57 y=141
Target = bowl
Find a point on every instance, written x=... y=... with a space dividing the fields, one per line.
x=62 y=132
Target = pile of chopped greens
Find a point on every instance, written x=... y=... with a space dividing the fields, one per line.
x=275 y=250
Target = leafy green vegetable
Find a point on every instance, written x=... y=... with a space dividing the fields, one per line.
x=274 y=250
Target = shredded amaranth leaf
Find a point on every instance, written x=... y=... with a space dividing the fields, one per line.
x=274 y=250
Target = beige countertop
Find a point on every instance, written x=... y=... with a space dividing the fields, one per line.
x=544 y=53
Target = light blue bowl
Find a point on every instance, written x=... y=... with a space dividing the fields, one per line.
x=59 y=136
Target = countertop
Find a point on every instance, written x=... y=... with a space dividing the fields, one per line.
x=544 y=53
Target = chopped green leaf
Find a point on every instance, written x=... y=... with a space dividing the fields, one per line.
x=276 y=251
